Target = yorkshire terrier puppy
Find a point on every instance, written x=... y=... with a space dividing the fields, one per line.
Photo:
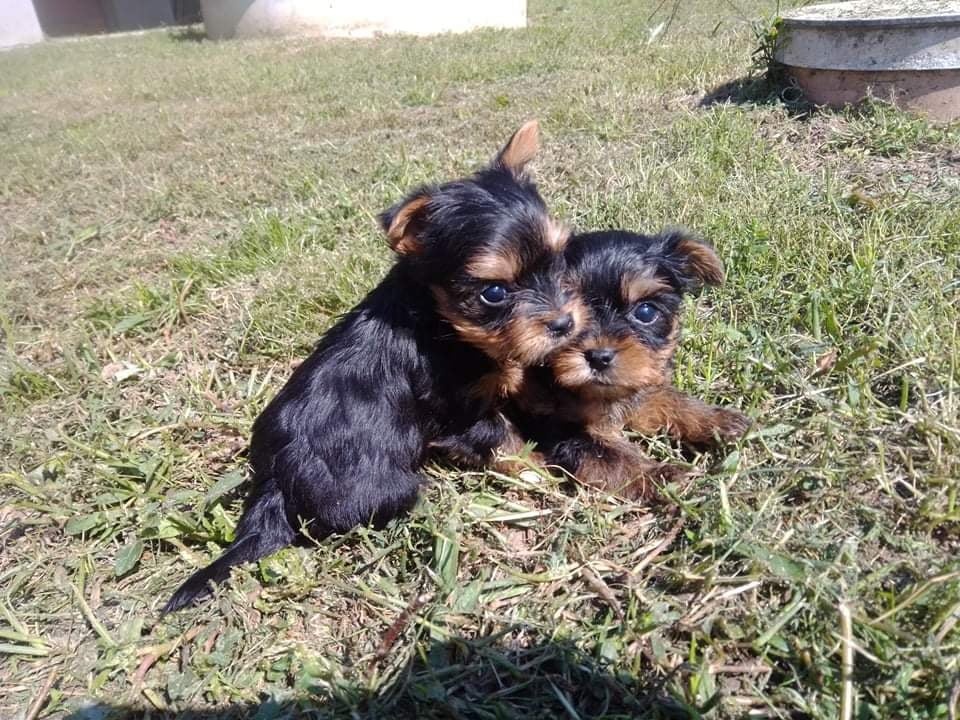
x=617 y=371
x=422 y=365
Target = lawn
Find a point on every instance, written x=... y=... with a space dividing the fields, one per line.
x=181 y=219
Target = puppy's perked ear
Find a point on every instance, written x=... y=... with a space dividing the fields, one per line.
x=520 y=149
x=694 y=260
x=404 y=223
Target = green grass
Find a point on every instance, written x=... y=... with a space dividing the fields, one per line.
x=181 y=220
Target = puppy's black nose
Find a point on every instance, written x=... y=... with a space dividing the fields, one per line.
x=600 y=358
x=561 y=325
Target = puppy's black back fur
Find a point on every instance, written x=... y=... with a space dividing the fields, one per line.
x=341 y=443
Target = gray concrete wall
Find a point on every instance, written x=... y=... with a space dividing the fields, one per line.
x=138 y=14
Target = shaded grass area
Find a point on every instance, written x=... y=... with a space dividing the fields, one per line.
x=182 y=220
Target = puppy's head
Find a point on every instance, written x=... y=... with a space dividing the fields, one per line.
x=492 y=257
x=632 y=286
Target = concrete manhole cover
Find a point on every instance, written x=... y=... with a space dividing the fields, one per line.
x=907 y=51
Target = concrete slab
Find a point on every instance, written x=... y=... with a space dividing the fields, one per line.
x=356 y=18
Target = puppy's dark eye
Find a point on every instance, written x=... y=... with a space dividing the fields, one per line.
x=494 y=295
x=645 y=313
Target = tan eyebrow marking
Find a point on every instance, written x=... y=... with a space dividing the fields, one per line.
x=555 y=235
x=504 y=265
x=634 y=288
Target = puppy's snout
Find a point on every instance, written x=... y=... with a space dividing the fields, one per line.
x=600 y=358
x=562 y=325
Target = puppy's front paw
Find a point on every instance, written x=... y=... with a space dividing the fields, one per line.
x=729 y=425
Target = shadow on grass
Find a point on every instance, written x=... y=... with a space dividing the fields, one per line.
x=760 y=90
x=190 y=33
x=478 y=678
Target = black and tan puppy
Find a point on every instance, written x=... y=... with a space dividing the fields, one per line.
x=421 y=365
x=617 y=371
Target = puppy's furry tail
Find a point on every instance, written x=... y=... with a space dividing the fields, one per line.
x=263 y=529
